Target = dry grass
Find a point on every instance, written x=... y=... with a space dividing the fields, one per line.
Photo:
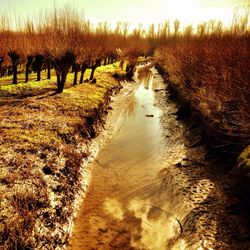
x=213 y=75
x=41 y=151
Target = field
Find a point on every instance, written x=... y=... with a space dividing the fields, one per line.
x=44 y=139
x=56 y=79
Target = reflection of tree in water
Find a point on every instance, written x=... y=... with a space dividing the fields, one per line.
x=146 y=77
x=131 y=104
x=142 y=73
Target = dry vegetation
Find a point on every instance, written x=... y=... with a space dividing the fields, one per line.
x=45 y=136
x=63 y=40
x=44 y=140
x=211 y=72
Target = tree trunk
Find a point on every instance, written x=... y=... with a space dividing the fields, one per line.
x=38 y=64
x=9 y=71
x=49 y=70
x=3 y=71
x=62 y=66
x=76 y=74
x=39 y=75
x=28 y=64
x=58 y=78
x=14 y=59
x=105 y=61
x=14 y=74
x=93 y=68
x=61 y=84
x=73 y=68
x=83 y=70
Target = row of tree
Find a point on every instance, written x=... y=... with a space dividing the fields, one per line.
x=64 y=41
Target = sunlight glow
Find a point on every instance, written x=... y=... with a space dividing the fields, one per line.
x=136 y=11
x=188 y=12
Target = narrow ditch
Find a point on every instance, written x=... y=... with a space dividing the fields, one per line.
x=154 y=185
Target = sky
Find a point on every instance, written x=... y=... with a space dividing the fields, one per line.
x=135 y=11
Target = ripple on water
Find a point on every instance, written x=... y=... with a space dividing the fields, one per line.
x=126 y=206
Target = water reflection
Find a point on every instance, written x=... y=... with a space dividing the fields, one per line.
x=158 y=228
x=127 y=206
x=114 y=207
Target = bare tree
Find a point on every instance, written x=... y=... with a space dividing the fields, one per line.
x=176 y=28
x=64 y=42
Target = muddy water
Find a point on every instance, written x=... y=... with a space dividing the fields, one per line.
x=128 y=205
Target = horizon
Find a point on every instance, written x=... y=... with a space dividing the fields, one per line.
x=135 y=12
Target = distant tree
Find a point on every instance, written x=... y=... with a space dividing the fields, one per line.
x=2 y=56
x=4 y=34
x=14 y=43
x=15 y=57
x=176 y=28
x=38 y=64
x=29 y=47
x=63 y=41
x=84 y=56
x=29 y=62
x=100 y=42
x=136 y=46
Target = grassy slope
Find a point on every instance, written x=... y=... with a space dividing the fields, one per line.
x=40 y=155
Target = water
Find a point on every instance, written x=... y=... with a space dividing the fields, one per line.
x=128 y=205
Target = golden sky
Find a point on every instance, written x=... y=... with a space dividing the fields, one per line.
x=136 y=11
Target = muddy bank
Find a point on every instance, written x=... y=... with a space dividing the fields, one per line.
x=209 y=182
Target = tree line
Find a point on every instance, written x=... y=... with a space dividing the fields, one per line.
x=63 y=40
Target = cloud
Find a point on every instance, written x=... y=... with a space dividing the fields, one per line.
x=159 y=229
x=114 y=207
